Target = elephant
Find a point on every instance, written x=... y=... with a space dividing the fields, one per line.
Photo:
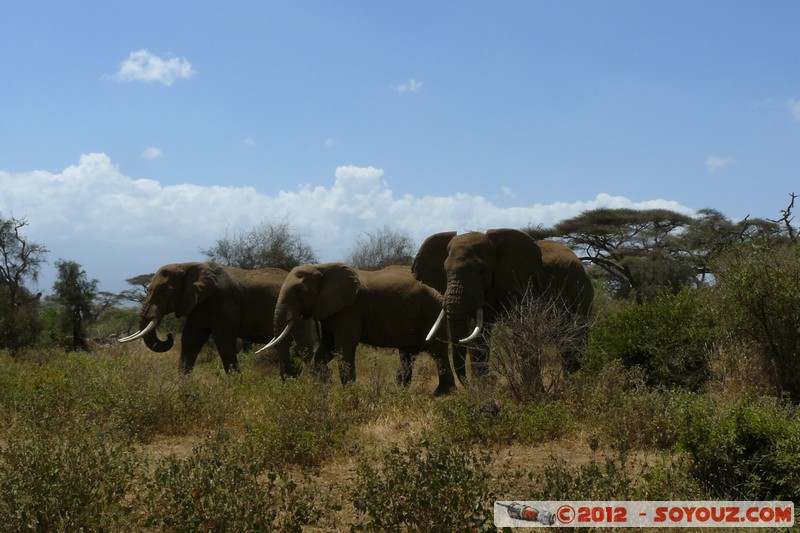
x=218 y=301
x=482 y=274
x=385 y=308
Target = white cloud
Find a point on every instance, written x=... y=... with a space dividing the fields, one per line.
x=152 y=153
x=716 y=163
x=794 y=108
x=411 y=86
x=330 y=143
x=149 y=68
x=94 y=208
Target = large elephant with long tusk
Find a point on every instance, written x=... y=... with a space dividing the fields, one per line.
x=218 y=301
x=483 y=274
x=386 y=308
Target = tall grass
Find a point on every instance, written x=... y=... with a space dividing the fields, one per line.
x=82 y=439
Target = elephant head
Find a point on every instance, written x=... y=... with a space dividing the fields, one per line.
x=312 y=291
x=175 y=288
x=478 y=273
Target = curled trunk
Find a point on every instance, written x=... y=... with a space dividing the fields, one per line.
x=151 y=339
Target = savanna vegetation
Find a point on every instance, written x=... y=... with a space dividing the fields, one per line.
x=689 y=390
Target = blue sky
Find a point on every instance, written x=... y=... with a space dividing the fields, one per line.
x=135 y=133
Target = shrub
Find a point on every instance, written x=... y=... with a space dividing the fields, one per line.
x=750 y=450
x=668 y=338
x=758 y=287
x=478 y=418
x=428 y=487
x=223 y=486
x=69 y=480
x=533 y=345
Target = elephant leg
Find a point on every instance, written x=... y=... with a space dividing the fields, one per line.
x=480 y=355
x=226 y=346
x=192 y=342
x=404 y=372
x=323 y=355
x=347 y=365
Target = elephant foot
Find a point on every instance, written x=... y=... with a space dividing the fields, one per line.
x=443 y=390
x=323 y=374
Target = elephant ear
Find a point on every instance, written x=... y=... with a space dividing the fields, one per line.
x=428 y=266
x=519 y=263
x=338 y=289
x=199 y=283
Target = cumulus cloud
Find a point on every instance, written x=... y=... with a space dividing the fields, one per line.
x=411 y=86
x=716 y=163
x=95 y=207
x=149 y=68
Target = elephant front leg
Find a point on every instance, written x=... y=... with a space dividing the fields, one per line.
x=347 y=365
x=480 y=356
x=447 y=381
x=404 y=372
x=192 y=341
x=226 y=346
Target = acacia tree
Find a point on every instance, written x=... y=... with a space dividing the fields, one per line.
x=76 y=293
x=640 y=253
x=267 y=245
x=20 y=260
x=138 y=291
x=381 y=248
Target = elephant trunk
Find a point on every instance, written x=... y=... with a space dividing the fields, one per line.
x=284 y=321
x=462 y=302
x=150 y=313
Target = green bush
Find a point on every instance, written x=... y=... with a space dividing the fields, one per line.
x=479 y=418
x=750 y=450
x=427 y=487
x=758 y=290
x=70 y=480
x=612 y=479
x=668 y=338
x=223 y=486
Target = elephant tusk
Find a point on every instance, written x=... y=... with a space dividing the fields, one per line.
x=478 y=327
x=277 y=339
x=436 y=326
x=139 y=334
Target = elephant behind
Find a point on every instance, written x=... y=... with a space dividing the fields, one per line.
x=483 y=274
x=385 y=308
x=218 y=301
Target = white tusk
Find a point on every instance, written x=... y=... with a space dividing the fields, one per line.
x=139 y=334
x=478 y=327
x=436 y=326
x=277 y=339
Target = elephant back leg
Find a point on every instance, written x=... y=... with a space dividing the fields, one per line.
x=404 y=371
x=192 y=341
x=226 y=346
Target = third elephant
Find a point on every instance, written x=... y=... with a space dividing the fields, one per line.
x=483 y=274
x=386 y=308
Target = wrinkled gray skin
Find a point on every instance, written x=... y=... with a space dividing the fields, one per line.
x=218 y=301
x=491 y=271
x=386 y=308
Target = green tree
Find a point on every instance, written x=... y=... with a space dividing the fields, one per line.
x=20 y=260
x=641 y=254
x=138 y=290
x=266 y=245
x=631 y=250
x=76 y=293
